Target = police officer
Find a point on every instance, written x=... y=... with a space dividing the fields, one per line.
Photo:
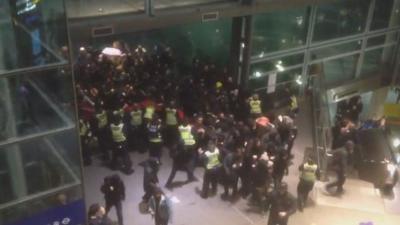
x=255 y=106
x=154 y=137
x=171 y=122
x=102 y=131
x=308 y=174
x=119 y=146
x=149 y=112
x=136 y=136
x=282 y=206
x=183 y=157
x=293 y=105
x=85 y=134
x=212 y=166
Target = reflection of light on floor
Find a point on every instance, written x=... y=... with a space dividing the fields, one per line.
x=358 y=195
x=174 y=199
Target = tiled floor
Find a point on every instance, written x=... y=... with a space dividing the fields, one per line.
x=360 y=203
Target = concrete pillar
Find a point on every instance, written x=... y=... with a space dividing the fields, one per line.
x=246 y=47
x=234 y=60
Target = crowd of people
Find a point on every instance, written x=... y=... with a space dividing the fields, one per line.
x=138 y=101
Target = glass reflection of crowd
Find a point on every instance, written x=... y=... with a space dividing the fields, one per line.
x=136 y=100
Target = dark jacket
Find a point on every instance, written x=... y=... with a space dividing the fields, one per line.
x=283 y=203
x=113 y=189
x=150 y=177
x=100 y=221
x=164 y=210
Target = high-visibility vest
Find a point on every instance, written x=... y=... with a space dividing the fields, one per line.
x=186 y=135
x=148 y=113
x=154 y=133
x=102 y=119
x=212 y=159
x=308 y=173
x=117 y=133
x=293 y=102
x=255 y=106
x=83 y=129
x=118 y=112
x=170 y=116
x=136 y=117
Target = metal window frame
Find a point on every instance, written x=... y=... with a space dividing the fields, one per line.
x=370 y=16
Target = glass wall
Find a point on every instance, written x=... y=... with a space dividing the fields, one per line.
x=279 y=30
x=160 y=4
x=340 y=19
x=39 y=150
x=32 y=34
x=209 y=41
x=382 y=12
x=90 y=8
x=345 y=39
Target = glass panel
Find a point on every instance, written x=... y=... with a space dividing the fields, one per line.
x=277 y=64
x=40 y=164
x=289 y=75
x=383 y=39
x=341 y=69
x=279 y=98
x=38 y=205
x=375 y=60
x=279 y=30
x=35 y=102
x=335 y=50
x=89 y=8
x=383 y=9
x=210 y=42
x=395 y=18
x=339 y=19
x=159 y=4
x=258 y=83
x=281 y=77
x=36 y=37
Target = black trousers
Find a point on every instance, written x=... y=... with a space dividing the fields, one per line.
x=171 y=135
x=338 y=183
x=210 y=177
x=245 y=176
x=155 y=149
x=230 y=182
x=303 y=189
x=118 y=208
x=136 y=138
x=86 y=155
x=120 y=152
x=275 y=219
x=160 y=221
x=185 y=166
x=103 y=137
